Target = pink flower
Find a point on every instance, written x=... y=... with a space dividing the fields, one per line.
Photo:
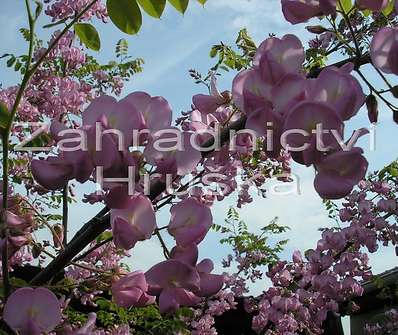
x=207 y=104
x=274 y=59
x=277 y=57
x=130 y=291
x=387 y=205
x=340 y=89
x=155 y=111
x=121 y=116
x=374 y=5
x=32 y=311
x=210 y=284
x=79 y=159
x=300 y=124
x=250 y=89
x=52 y=173
x=135 y=222
x=384 y=50
x=298 y=11
x=339 y=172
x=171 y=151
x=174 y=281
x=288 y=92
x=190 y=221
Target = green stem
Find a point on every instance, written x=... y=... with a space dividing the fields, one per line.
x=354 y=38
x=6 y=137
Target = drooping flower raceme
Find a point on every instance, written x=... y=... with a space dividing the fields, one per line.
x=306 y=115
x=61 y=9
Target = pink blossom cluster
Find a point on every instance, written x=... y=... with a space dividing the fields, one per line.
x=387 y=326
x=309 y=288
x=107 y=256
x=20 y=225
x=203 y=319
x=211 y=111
x=104 y=258
x=27 y=111
x=298 y=11
x=276 y=92
x=90 y=328
x=59 y=96
x=71 y=55
x=48 y=93
x=64 y=9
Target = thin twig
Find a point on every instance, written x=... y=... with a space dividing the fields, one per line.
x=65 y=213
x=89 y=251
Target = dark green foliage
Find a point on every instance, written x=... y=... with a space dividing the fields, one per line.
x=244 y=242
x=231 y=59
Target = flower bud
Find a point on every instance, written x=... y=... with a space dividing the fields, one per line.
x=373 y=109
x=59 y=231
x=316 y=29
x=227 y=95
x=36 y=250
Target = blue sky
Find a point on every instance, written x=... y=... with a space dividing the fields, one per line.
x=170 y=47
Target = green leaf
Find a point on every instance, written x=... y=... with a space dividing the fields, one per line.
x=388 y=10
x=367 y=12
x=346 y=5
x=180 y=5
x=88 y=35
x=125 y=14
x=11 y=61
x=202 y=2
x=4 y=116
x=393 y=171
x=39 y=9
x=104 y=236
x=153 y=8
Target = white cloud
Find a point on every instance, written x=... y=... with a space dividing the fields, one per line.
x=260 y=17
x=145 y=255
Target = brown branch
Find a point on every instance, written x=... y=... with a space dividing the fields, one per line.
x=365 y=59
x=65 y=214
